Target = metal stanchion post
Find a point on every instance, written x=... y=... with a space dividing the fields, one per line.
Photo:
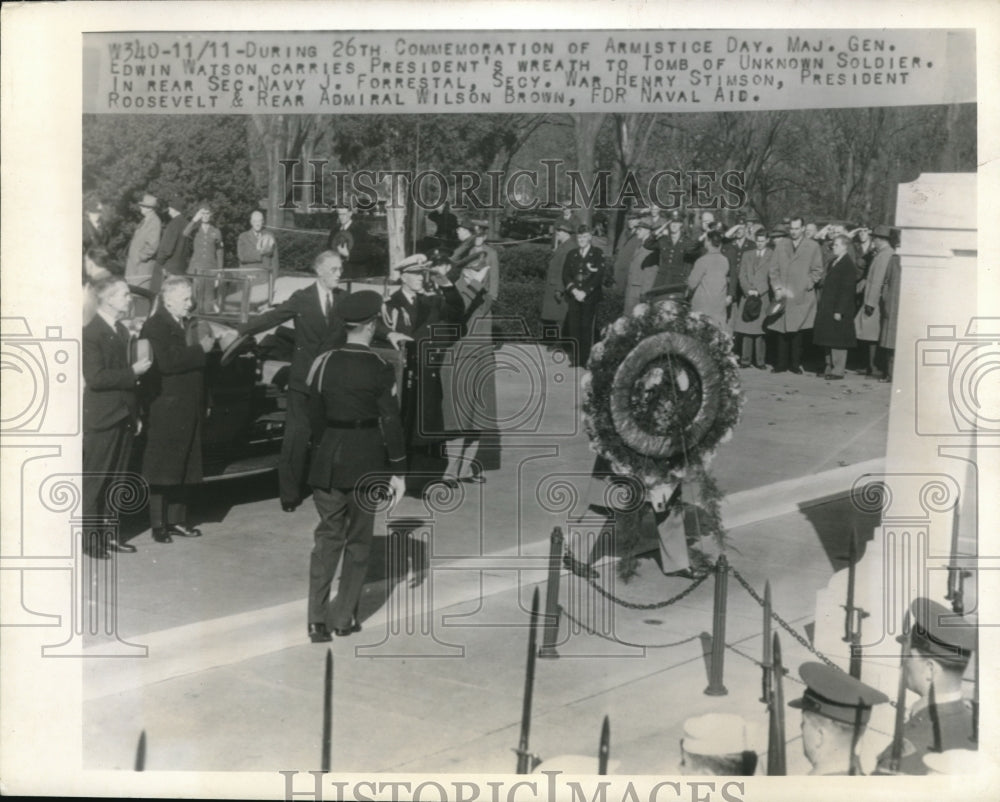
x=552 y=610
x=716 y=669
x=604 y=750
x=524 y=758
x=766 y=661
x=327 y=712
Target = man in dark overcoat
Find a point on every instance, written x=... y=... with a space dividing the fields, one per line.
x=174 y=400
x=318 y=328
x=554 y=300
x=174 y=250
x=109 y=403
x=834 y=326
x=583 y=278
x=351 y=240
x=358 y=444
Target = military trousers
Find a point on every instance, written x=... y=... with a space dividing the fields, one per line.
x=345 y=529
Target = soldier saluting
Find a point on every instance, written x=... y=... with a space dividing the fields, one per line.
x=358 y=443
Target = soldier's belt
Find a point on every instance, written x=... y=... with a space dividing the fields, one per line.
x=363 y=423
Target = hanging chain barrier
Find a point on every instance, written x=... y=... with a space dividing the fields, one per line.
x=796 y=680
x=782 y=622
x=695 y=584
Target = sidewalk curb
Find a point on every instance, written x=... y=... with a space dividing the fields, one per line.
x=228 y=640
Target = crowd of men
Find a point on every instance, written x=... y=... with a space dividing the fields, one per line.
x=348 y=439
x=340 y=424
x=768 y=288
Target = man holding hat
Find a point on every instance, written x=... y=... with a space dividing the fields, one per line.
x=941 y=645
x=554 y=300
x=141 y=260
x=256 y=248
x=796 y=268
x=358 y=444
x=868 y=322
x=835 y=709
x=349 y=238
x=641 y=272
x=175 y=243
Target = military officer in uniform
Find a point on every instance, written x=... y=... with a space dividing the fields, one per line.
x=358 y=444
x=583 y=278
x=677 y=253
x=835 y=709
x=941 y=645
x=428 y=308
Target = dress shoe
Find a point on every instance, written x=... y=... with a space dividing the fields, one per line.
x=124 y=548
x=475 y=479
x=162 y=536
x=688 y=573
x=184 y=531
x=744 y=363
x=289 y=506
x=318 y=633
x=578 y=568
x=343 y=632
x=449 y=482
x=796 y=371
x=830 y=377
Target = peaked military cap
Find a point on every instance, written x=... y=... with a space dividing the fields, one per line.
x=564 y=225
x=675 y=215
x=832 y=693
x=471 y=223
x=937 y=631
x=360 y=307
x=413 y=264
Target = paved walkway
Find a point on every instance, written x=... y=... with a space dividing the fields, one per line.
x=230 y=682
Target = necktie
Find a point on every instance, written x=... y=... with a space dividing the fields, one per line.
x=329 y=308
x=123 y=335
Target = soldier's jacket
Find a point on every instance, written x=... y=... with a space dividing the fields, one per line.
x=918 y=736
x=352 y=384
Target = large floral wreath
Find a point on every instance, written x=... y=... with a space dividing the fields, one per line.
x=661 y=392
